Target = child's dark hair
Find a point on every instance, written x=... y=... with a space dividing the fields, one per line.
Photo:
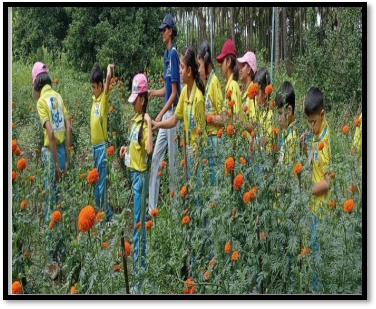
x=144 y=107
x=233 y=66
x=42 y=80
x=96 y=74
x=285 y=96
x=204 y=53
x=190 y=60
x=262 y=78
x=314 y=101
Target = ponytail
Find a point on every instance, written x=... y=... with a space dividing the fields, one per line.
x=234 y=66
x=144 y=107
x=190 y=60
x=204 y=53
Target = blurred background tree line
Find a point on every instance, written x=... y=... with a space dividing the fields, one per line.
x=319 y=46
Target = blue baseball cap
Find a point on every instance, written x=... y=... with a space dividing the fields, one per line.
x=168 y=21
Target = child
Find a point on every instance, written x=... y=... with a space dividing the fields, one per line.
x=357 y=143
x=319 y=157
x=285 y=101
x=140 y=145
x=98 y=130
x=191 y=106
x=214 y=110
x=55 y=154
x=229 y=69
x=247 y=69
x=170 y=92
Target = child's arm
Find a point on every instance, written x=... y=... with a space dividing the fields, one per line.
x=149 y=141
x=52 y=141
x=169 y=102
x=69 y=135
x=321 y=187
x=165 y=124
x=110 y=69
x=157 y=92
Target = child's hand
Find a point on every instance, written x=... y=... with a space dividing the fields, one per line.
x=147 y=118
x=123 y=150
x=110 y=67
x=158 y=118
x=150 y=94
x=154 y=125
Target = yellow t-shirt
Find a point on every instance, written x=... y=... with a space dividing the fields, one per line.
x=358 y=137
x=251 y=105
x=264 y=125
x=51 y=108
x=289 y=145
x=213 y=100
x=320 y=160
x=235 y=95
x=195 y=112
x=137 y=152
x=98 y=118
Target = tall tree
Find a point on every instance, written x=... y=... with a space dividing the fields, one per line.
x=284 y=28
x=276 y=56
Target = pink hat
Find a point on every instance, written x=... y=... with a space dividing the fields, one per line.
x=139 y=85
x=228 y=48
x=38 y=68
x=249 y=58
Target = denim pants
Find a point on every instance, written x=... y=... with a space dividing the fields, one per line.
x=165 y=139
x=100 y=189
x=139 y=187
x=315 y=248
x=52 y=194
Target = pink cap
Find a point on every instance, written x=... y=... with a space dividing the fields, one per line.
x=249 y=58
x=228 y=48
x=38 y=68
x=139 y=85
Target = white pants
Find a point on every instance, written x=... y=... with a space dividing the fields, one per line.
x=165 y=139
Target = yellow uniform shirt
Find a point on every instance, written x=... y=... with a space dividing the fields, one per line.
x=192 y=112
x=235 y=95
x=320 y=160
x=251 y=105
x=264 y=125
x=289 y=144
x=137 y=152
x=358 y=137
x=51 y=108
x=213 y=100
x=98 y=119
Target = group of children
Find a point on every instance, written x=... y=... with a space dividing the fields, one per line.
x=200 y=105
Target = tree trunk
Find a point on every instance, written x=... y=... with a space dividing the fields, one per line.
x=276 y=37
x=202 y=23
x=251 y=28
x=222 y=24
x=233 y=23
x=300 y=32
x=284 y=28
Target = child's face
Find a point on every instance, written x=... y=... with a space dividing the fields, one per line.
x=201 y=69
x=96 y=89
x=185 y=71
x=314 y=122
x=244 y=72
x=166 y=34
x=284 y=116
x=261 y=97
x=137 y=104
x=224 y=67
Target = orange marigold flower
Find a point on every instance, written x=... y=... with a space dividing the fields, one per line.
x=104 y=245
x=21 y=164
x=229 y=164
x=13 y=125
x=51 y=225
x=83 y=175
x=26 y=254
x=345 y=129
x=159 y=173
x=148 y=224
x=111 y=109
x=212 y=262
x=238 y=182
x=43 y=192
x=69 y=117
x=163 y=164
x=99 y=216
x=304 y=251
x=172 y=193
x=110 y=150
x=233 y=213
x=154 y=212
x=206 y=275
x=175 y=138
x=245 y=108
x=353 y=188
x=275 y=130
x=73 y=289
x=16 y=287
x=252 y=91
x=181 y=143
x=242 y=161
x=348 y=205
x=274 y=147
x=246 y=197
x=321 y=145
x=253 y=133
x=230 y=129
x=117 y=267
x=219 y=133
x=14 y=175
x=56 y=216
x=199 y=131
x=86 y=218
x=332 y=175
x=209 y=118
x=332 y=204
x=231 y=103
x=204 y=161
x=185 y=220
x=182 y=162
x=272 y=104
x=138 y=225
x=31 y=178
x=14 y=145
x=23 y=205
x=56 y=81
x=78 y=105
x=268 y=89
x=127 y=246
x=252 y=193
x=189 y=286
x=92 y=176
x=185 y=211
x=183 y=191
x=235 y=256
x=17 y=152
x=244 y=134
x=228 y=94
x=227 y=247
x=357 y=121
x=298 y=168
